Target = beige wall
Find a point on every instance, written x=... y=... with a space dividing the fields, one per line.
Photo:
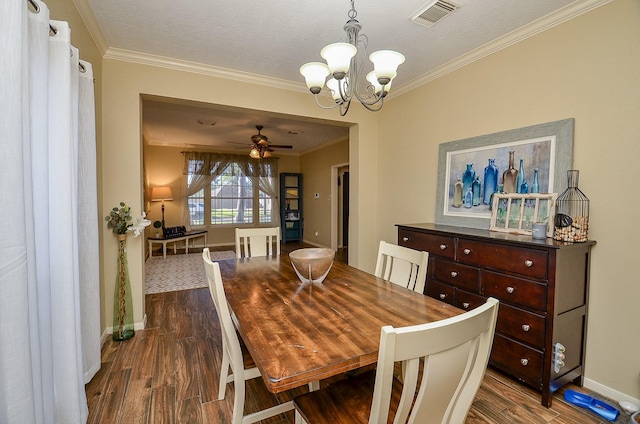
x=316 y=178
x=587 y=69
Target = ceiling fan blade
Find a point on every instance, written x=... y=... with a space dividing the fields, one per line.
x=281 y=146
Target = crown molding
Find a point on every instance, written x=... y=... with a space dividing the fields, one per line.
x=556 y=18
x=199 y=68
x=91 y=23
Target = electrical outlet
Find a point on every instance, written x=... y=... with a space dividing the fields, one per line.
x=316 y=195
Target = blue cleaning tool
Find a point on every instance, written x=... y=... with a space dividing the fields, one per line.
x=595 y=405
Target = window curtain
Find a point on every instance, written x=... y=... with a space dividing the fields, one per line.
x=49 y=275
x=200 y=168
x=267 y=174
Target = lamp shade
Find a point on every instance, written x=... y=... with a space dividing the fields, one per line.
x=385 y=64
x=338 y=57
x=254 y=153
x=314 y=73
x=333 y=85
x=161 y=193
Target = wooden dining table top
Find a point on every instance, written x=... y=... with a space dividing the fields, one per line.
x=299 y=333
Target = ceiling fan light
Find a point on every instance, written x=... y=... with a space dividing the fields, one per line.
x=385 y=64
x=314 y=73
x=373 y=79
x=254 y=153
x=338 y=57
x=266 y=154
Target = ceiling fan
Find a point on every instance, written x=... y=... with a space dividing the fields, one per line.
x=261 y=148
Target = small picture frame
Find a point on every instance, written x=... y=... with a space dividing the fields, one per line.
x=516 y=213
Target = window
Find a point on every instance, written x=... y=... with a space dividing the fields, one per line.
x=234 y=192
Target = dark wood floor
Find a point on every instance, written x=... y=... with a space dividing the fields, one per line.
x=168 y=373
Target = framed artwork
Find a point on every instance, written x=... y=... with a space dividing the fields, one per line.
x=541 y=154
x=516 y=213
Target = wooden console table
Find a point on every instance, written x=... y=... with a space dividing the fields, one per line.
x=190 y=235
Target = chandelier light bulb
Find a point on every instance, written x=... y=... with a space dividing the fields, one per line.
x=333 y=85
x=373 y=79
x=338 y=57
x=385 y=64
x=315 y=73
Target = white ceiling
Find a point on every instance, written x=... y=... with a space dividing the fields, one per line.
x=268 y=40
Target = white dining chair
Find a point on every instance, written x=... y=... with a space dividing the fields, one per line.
x=402 y=266
x=257 y=242
x=455 y=352
x=232 y=353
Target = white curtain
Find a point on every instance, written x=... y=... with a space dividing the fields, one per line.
x=49 y=272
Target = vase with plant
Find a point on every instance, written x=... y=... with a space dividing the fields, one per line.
x=121 y=222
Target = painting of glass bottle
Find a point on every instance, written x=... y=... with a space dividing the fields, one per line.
x=510 y=176
x=468 y=176
x=490 y=182
x=457 y=194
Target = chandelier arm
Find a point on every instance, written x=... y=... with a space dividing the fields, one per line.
x=335 y=105
x=344 y=109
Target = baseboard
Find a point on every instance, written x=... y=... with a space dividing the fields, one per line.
x=109 y=330
x=608 y=391
x=314 y=243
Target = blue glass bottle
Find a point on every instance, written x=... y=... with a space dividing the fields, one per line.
x=468 y=198
x=490 y=181
x=467 y=178
x=524 y=187
x=520 y=178
x=535 y=185
x=476 y=189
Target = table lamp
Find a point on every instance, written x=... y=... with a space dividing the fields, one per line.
x=161 y=193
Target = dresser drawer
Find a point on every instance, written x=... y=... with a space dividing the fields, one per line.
x=519 y=360
x=456 y=274
x=529 y=262
x=513 y=290
x=439 y=291
x=468 y=301
x=434 y=244
x=522 y=325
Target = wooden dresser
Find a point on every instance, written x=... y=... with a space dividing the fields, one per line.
x=542 y=286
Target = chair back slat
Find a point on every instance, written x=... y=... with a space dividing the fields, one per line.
x=257 y=242
x=403 y=266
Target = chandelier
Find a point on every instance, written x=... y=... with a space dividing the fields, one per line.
x=346 y=72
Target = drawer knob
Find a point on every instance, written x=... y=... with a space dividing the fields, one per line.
x=510 y=290
x=466 y=305
x=443 y=246
x=467 y=251
x=454 y=274
x=524 y=361
x=528 y=263
x=405 y=238
x=526 y=327
x=443 y=296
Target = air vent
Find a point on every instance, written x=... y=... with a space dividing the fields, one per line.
x=434 y=13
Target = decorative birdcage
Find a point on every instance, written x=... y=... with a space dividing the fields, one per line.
x=572 y=212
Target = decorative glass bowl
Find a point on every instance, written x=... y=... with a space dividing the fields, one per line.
x=312 y=264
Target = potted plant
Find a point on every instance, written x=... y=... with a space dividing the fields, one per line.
x=157 y=225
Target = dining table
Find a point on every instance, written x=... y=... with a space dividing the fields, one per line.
x=298 y=333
